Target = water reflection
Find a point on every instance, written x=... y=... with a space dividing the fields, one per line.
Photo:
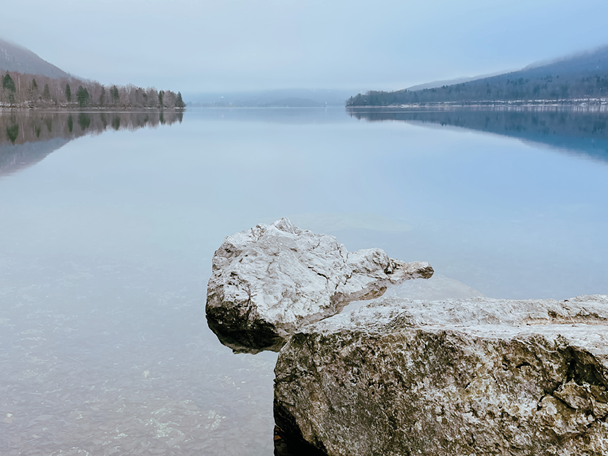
x=106 y=248
x=579 y=130
x=28 y=137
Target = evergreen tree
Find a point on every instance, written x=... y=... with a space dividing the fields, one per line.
x=179 y=103
x=102 y=97
x=82 y=95
x=32 y=91
x=161 y=94
x=8 y=83
x=68 y=93
x=114 y=94
x=46 y=93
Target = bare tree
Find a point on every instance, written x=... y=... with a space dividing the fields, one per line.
x=22 y=90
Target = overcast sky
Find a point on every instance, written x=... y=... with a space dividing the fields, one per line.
x=194 y=45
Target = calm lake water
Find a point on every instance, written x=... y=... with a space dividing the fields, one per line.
x=108 y=225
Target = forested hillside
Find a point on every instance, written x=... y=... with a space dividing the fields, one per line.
x=583 y=76
x=25 y=90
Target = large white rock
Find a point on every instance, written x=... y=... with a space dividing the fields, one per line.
x=271 y=280
x=475 y=376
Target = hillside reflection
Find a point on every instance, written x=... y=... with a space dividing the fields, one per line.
x=580 y=131
x=28 y=137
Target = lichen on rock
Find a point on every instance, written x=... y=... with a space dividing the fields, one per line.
x=271 y=280
x=474 y=376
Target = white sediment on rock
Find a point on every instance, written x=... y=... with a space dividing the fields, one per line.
x=452 y=377
x=272 y=279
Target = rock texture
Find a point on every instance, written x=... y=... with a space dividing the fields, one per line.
x=269 y=281
x=477 y=376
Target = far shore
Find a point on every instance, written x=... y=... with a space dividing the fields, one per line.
x=60 y=108
x=601 y=103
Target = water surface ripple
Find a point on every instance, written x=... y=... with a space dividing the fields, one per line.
x=108 y=226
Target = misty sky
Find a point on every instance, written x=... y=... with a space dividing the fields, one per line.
x=206 y=46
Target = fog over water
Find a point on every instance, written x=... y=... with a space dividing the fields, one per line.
x=106 y=240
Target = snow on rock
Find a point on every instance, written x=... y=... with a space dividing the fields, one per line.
x=269 y=281
x=471 y=376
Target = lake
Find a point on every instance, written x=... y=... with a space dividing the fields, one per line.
x=108 y=223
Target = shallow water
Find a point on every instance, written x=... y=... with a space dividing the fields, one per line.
x=107 y=234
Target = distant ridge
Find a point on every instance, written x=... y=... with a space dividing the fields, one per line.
x=565 y=80
x=435 y=84
x=581 y=62
x=295 y=98
x=446 y=82
x=17 y=58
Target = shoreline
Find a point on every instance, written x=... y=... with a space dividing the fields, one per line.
x=574 y=102
x=56 y=106
x=88 y=108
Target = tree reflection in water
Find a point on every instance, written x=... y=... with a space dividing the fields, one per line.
x=28 y=137
x=580 y=131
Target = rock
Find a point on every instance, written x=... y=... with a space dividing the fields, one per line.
x=436 y=288
x=269 y=281
x=475 y=376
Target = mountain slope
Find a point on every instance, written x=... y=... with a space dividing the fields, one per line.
x=17 y=58
x=585 y=62
x=448 y=82
x=583 y=75
x=277 y=97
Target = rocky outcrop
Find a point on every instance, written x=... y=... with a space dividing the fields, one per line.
x=269 y=281
x=476 y=376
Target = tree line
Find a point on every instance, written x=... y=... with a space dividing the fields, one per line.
x=554 y=88
x=29 y=91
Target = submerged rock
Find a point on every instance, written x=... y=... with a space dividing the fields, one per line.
x=269 y=281
x=475 y=376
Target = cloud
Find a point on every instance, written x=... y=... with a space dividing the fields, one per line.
x=247 y=44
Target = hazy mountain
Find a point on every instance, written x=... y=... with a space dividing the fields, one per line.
x=271 y=98
x=434 y=84
x=584 y=62
x=295 y=102
x=17 y=58
x=584 y=75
